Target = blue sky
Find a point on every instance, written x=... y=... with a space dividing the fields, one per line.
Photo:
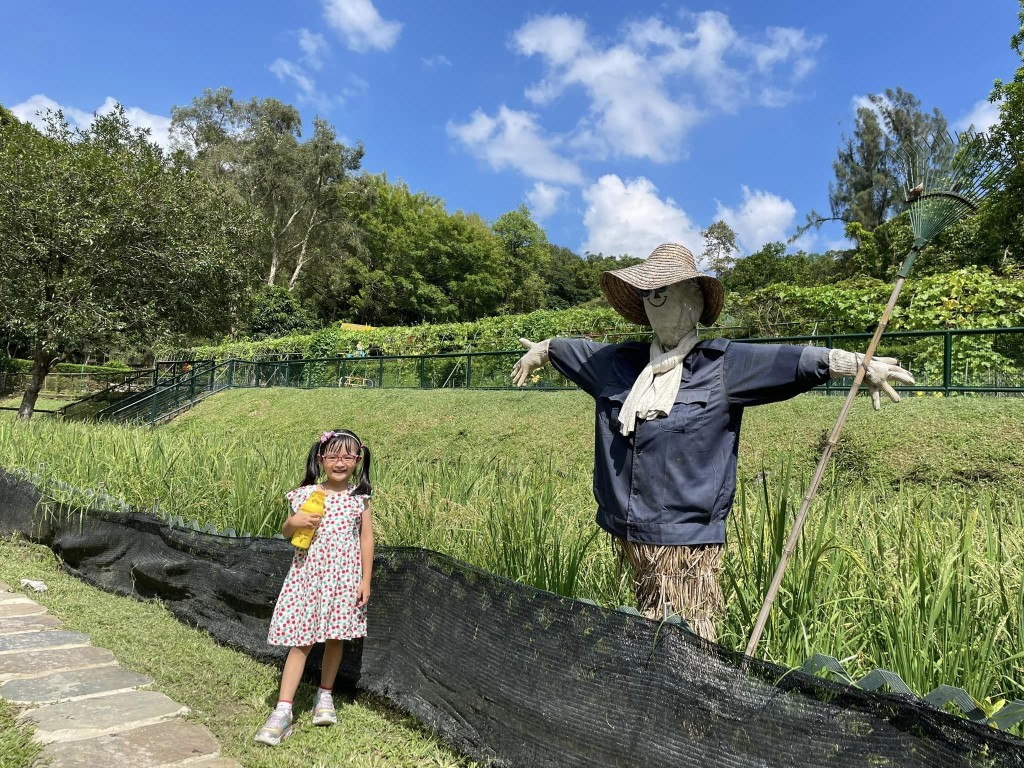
x=621 y=125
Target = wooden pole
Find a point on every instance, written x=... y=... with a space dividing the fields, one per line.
x=819 y=473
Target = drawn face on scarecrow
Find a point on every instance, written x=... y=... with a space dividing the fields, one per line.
x=674 y=310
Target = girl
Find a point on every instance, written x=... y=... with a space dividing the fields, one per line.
x=324 y=595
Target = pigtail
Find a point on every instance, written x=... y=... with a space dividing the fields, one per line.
x=312 y=465
x=363 y=487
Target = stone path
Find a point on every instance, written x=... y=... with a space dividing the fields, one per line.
x=87 y=709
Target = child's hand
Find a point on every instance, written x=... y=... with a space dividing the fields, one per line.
x=363 y=593
x=305 y=520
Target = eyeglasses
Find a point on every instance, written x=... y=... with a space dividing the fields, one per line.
x=339 y=458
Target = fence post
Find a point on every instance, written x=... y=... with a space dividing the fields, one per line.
x=947 y=362
x=469 y=370
x=423 y=383
x=192 y=388
x=287 y=374
x=380 y=371
x=828 y=381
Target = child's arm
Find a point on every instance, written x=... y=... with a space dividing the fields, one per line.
x=299 y=520
x=365 y=555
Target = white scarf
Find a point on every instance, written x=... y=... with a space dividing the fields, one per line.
x=655 y=389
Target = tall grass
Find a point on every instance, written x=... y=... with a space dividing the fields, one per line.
x=924 y=581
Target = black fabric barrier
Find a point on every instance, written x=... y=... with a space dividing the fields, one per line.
x=513 y=676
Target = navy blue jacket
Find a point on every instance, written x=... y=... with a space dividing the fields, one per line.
x=673 y=481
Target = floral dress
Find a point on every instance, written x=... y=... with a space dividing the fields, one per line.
x=318 y=597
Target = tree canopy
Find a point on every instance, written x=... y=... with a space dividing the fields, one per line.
x=104 y=241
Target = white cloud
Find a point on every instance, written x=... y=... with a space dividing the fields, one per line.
x=648 y=88
x=630 y=218
x=544 y=199
x=33 y=110
x=512 y=139
x=432 y=62
x=314 y=48
x=761 y=218
x=361 y=25
x=840 y=244
x=786 y=44
x=288 y=71
x=983 y=115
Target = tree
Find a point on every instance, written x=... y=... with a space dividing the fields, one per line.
x=1001 y=218
x=771 y=264
x=303 y=189
x=719 y=247
x=104 y=242
x=568 y=279
x=525 y=247
x=273 y=311
x=413 y=262
x=867 y=189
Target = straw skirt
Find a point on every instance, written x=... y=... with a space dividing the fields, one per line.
x=676 y=580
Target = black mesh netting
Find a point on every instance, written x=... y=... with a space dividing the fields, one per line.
x=515 y=676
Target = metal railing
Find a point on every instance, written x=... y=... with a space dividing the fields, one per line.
x=177 y=389
x=947 y=362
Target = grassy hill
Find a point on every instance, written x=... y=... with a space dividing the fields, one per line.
x=912 y=557
x=954 y=442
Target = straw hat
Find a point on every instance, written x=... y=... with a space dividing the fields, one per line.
x=668 y=263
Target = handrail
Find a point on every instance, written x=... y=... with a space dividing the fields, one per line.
x=139 y=374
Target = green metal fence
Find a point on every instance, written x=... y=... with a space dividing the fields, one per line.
x=979 y=360
x=975 y=361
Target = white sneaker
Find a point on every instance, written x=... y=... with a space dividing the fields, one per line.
x=277 y=728
x=324 y=712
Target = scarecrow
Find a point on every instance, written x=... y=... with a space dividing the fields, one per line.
x=668 y=420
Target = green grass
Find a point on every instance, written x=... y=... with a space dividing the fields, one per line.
x=911 y=559
x=42 y=403
x=16 y=747
x=227 y=691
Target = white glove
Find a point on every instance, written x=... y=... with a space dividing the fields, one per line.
x=536 y=355
x=881 y=370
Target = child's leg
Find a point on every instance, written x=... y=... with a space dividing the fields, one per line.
x=293 y=666
x=333 y=650
x=279 y=724
x=323 y=712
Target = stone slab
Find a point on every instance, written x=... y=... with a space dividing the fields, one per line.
x=62 y=686
x=4 y=587
x=31 y=623
x=25 y=608
x=216 y=762
x=87 y=718
x=6 y=598
x=147 y=747
x=53 y=638
x=41 y=662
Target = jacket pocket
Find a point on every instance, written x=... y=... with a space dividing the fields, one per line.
x=689 y=412
x=609 y=404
